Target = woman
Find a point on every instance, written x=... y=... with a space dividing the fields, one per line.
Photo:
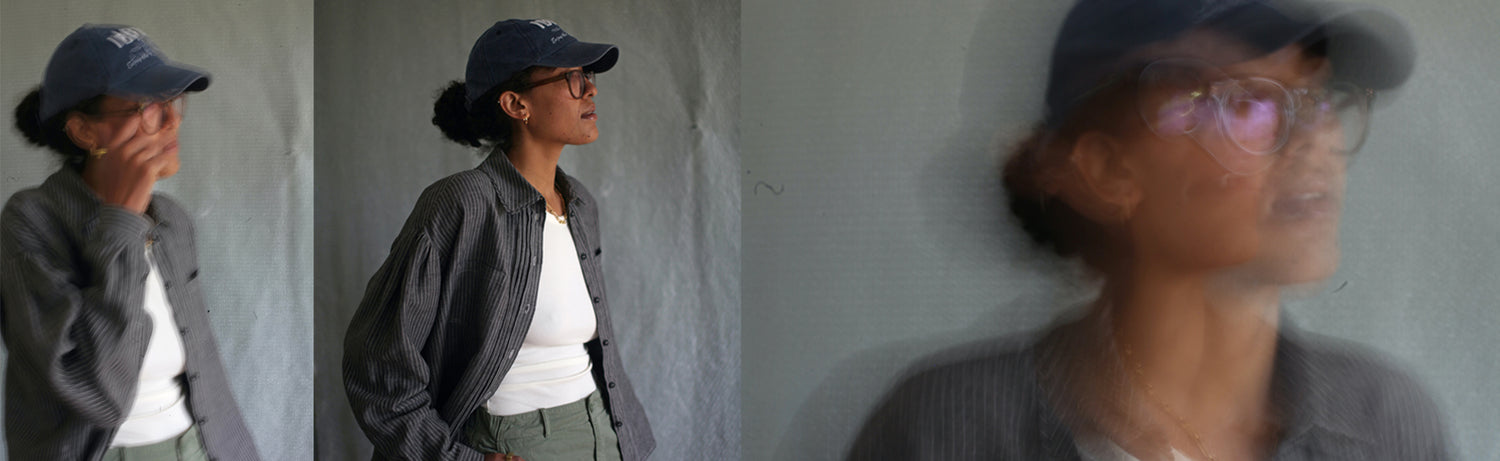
x=487 y=331
x=111 y=352
x=1193 y=157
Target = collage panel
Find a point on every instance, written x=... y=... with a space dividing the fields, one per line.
x=437 y=130
x=958 y=216
x=180 y=320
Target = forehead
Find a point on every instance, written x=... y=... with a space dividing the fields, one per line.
x=117 y=102
x=1291 y=64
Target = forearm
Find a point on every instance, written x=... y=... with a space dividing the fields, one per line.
x=78 y=321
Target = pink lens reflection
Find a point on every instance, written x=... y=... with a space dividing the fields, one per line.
x=1178 y=115
x=1254 y=123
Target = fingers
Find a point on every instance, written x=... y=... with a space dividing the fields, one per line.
x=126 y=131
x=140 y=148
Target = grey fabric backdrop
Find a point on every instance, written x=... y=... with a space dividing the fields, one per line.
x=664 y=171
x=246 y=178
x=876 y=233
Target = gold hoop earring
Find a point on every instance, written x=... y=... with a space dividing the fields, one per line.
x=99 y=152
x=526 y=121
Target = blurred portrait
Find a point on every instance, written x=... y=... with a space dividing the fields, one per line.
x=1110 y=231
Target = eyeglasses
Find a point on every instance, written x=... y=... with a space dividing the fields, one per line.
x=575 y=80
x=154 y=114
x=1257 y=116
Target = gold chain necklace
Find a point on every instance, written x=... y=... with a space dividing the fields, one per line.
x=559 y=216
x=1151 y=395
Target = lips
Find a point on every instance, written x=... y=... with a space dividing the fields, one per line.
x=590 y=115
x=1305 y=204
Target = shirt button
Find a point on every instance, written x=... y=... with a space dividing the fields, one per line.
x=202 y=421
x=604 y=342
x=596 y=300
x=611 y=384
x=582 y=256
x=182 y=331
x=618 y=424
x=193 y=377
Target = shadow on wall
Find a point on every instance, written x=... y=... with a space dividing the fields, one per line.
x=1000 y=100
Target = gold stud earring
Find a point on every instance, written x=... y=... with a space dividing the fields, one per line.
x=526 y=121
x=98 y=152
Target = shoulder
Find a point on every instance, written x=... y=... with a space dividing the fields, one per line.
x=984 y=375
x=465 y=189
x=973 y=403
x=1363 y=373
x=30 y=211
x=1367 y=394
x=464 y=193
x=24 y=204
x=452 y=206
x=165 y=207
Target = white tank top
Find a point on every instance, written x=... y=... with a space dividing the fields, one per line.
x=159 y=411
x=552 y=368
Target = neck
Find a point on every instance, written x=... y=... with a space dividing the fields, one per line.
x=537 y=163
x=1206 y=346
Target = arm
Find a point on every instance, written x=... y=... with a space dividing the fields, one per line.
x=77 y=321
x=385 y=375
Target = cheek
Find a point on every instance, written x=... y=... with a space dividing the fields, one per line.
x=1194 y=212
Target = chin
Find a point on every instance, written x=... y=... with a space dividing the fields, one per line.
x=1312 y=265
x=169 y=171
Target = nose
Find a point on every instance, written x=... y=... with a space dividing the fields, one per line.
x=589 y=89
x=163 y=115
x=1316 y=132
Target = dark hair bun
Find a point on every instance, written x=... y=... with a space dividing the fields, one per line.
x=26 y=118
x=452 y=117
x=52 y=133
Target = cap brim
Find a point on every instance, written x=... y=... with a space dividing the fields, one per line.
x=1367 y=45
x=592 y=57
x=163 y=81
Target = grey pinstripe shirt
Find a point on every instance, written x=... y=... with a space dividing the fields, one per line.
x=1336 y=400
x=443 y=317
x=71 y=294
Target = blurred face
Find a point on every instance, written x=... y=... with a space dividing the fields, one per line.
x=1254 y=197
x=562 y=108
x=159 y=120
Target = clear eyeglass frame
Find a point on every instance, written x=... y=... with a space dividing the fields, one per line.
x=1257 y=115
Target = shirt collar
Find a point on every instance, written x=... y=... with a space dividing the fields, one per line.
x=515 y=192
x=1304 y=393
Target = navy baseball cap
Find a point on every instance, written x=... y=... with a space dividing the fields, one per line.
x=512 y=45
x=1367 y=45
x=115 y=60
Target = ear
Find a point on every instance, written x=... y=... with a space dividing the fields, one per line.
x=1111 y=189
x=514 y=106
x=79 y=132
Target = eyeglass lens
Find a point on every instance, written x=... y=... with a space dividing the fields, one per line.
x=156 y=115
x=1257 y=115
x=576 y=83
